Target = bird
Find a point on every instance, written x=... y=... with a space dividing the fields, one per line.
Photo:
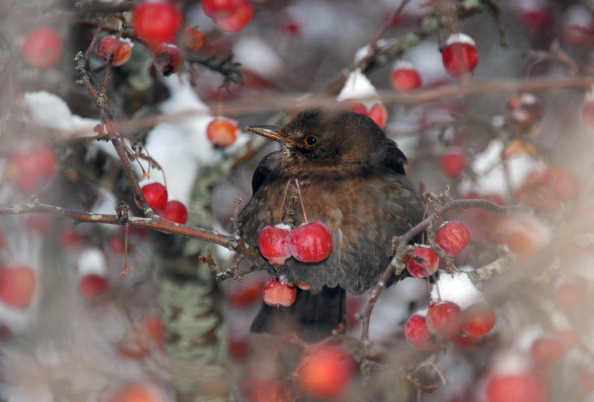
x=337 y=167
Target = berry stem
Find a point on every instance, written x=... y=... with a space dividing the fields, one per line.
x=301 y=200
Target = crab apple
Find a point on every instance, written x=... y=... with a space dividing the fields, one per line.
x=534 y=15
x=422 y=261
x=524 y=109
x=229 y=15
x=417 y=335
x=546 y=351
x=570 y=293
x=444 y=319
x=39 y=223
x=222 y=131
x=310 y=242
x=378 y=114
x=155 y=195
x=70 y=238
x=17 y=285
x=577 y=26
x=168 y=59
x=156 y=21
x=453 y=162
x=174 y=211
x=478 y=319
x=459 y=55
x=277 y=293
x=517 y=387
x=92 y=285
x=452 y=237
x=246 y=293
x=123 y=50
x=325 y=371
x=273 y=243
x=138 y=392
x=30 y=169
x=405 y=77
x=193 y=38
x=267 y=389
x=41 y=47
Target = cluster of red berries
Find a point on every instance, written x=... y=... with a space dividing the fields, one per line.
x=156 y=196
x=452 y=237
x=446 y=321
x=377 y=112
x=309 y=242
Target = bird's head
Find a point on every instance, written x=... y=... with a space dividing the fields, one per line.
x=327 y=138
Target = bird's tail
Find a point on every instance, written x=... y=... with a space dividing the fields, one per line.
x=313 y=316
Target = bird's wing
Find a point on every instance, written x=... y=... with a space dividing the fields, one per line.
x=265 y=169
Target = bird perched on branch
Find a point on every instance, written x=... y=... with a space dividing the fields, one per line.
x=350 y=176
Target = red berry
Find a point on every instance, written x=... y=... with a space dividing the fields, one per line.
x=17 y=285
x=524 y=109
x=310 y=242
x=31 y=169
x=452 y=237
x=222 y=131
x=478 y=319
x=70 y=238
x=518 y=387
x=325 y=371
x=378 y=114
x=39 y=223
x=155 y=195
x=422 y=261
x=417 y=335
x=453 y=162
x=459 y=55
x=277 y=293
x=273 y=243
x=122 y=53
x=193 y=38
x=357 y=107
x=156 y=21
x=405 y=77
x=577 y=26
x=229 y=15
x=41 y=47
x=546 y=351
x=92 y=285
x=174 y=211
x=168 y=59
x=138 y=392
x=444 y=319
x=570 y=293
x=246 y=293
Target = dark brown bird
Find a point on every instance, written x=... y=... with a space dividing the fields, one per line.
x=352 y=179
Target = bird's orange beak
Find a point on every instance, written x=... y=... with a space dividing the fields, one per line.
x=272 y=132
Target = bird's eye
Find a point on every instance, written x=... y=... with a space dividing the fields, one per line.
x=311 y=140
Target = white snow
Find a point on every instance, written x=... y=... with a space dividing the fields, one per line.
x=50 y=111
x=91 y=261
x=456 y=288
x=358 y=87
